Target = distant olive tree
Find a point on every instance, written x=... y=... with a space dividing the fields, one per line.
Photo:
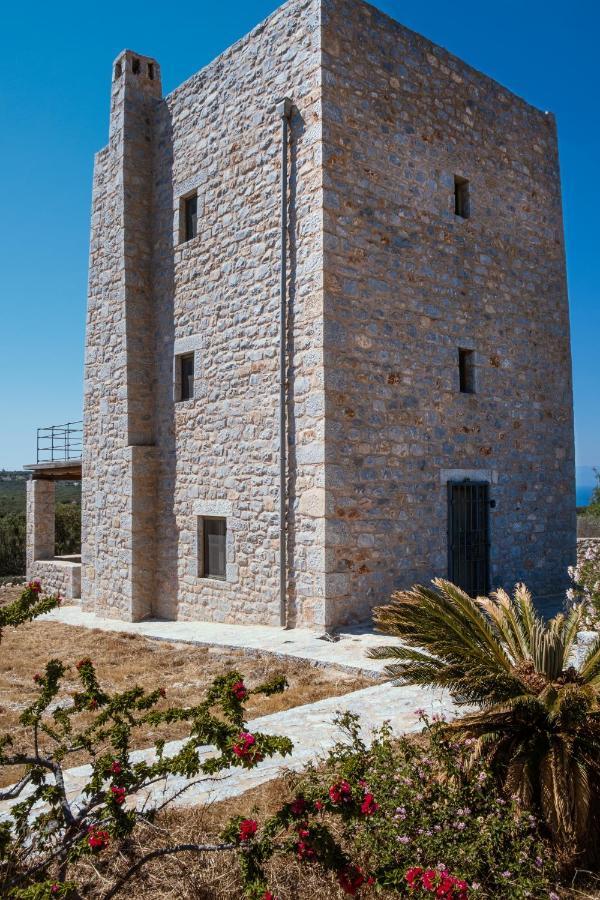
x=12 y=544
x=593 y=508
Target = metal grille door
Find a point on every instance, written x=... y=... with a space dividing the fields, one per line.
x=468 y=536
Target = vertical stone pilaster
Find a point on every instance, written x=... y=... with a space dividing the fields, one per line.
x=40 y=521
x=119 y=372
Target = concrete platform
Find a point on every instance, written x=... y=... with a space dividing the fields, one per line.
x=349 y=652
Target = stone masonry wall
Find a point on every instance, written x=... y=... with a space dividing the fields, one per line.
x=118 y=486
x=219 y=135
x=385 y=284
x=40 y=522
x=58 y=577
x=407 y=283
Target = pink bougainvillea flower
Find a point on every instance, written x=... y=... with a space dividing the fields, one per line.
x=340 y=792
x=369 y=806
x=97 y=838
x=352 y=878
x=118 y=794
x=413 y=875
x=298 y=806
x=304 y=850
x=248 y=828
x=239 y=690
x=245 y=749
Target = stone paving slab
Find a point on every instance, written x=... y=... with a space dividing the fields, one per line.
x=310 y=727
x=349 y=652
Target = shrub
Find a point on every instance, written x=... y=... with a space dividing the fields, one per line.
x=49 y=831
x=539 y=718
x=400 y=812
x=28 y=606
x=12 y=544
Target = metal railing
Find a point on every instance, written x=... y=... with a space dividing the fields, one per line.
x=60 y=442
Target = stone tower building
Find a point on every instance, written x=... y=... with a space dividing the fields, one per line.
x=427 y=397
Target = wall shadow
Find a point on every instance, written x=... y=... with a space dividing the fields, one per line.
x=165 y=603
x=297 y=129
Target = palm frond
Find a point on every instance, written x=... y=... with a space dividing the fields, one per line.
x=589 y=670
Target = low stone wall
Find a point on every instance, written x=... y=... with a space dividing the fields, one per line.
x=588 y=527
x=58 y=575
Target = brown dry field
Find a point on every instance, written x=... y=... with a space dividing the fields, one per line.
x=125 y=660
x=214 y=876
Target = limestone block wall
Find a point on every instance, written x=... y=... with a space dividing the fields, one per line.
x=58 y=577
x=218 y=136
x=407 y=283
x=118 y=544
x=386 y=283
x=40 y=522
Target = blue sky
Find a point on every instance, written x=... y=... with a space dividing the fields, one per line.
x=56 y=67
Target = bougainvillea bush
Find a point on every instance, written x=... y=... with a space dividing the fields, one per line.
x=413 y=816
x=49 y=831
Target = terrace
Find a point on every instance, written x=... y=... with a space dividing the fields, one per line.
x=58 y=458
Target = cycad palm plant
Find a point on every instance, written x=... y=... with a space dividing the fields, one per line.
x=538 y=721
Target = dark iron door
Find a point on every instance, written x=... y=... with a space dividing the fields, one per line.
x=468 y=536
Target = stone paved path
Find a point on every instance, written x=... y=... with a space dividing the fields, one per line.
x=311 y=729
x=349 y=652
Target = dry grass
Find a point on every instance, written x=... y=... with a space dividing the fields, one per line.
x=124 y=660
x=192 y=876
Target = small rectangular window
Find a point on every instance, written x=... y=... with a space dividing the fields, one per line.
x=466 y=371
x=185 y=365
x=214 y=546
x=190 y=215
x=461 y=197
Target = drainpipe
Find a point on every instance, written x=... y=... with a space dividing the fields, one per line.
x=284 y=110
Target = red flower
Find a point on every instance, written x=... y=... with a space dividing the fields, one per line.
x=429 y=879
x=248 y=829
x=245 y=749
x=98 y=839
x=35 y=586
x=83 y=662
x=319 y=805
x=304 y=850
x=340 y=792
x=54 y=889
x=269 y=896
x=239 y=690
x=116 y=768
x=118 y=794
x=438 y=882
x=38 y=678
x=298 y=806
x=368 y=806
x=93 y=704
x=351 y=879
x=413 y=875
x=162 y=692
